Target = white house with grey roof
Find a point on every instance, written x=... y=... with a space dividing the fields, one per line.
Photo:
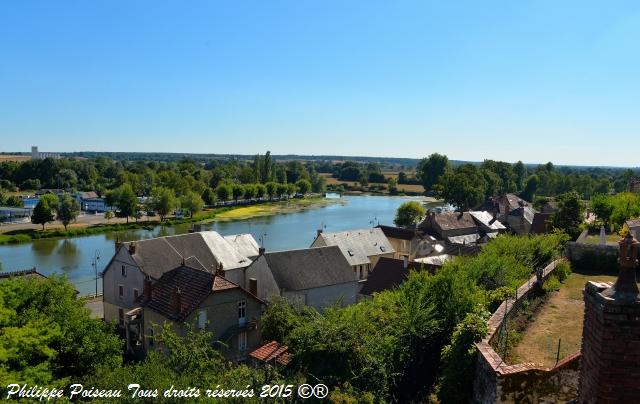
x=316 y=277
x=362 y=248
x=133 y=262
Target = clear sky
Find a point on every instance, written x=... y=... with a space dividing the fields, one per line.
x=510 y=80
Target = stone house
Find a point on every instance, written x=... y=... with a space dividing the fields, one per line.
x=362 y=248
x=409 y=243
x=316 y=277
x=207 y=301
x=134 y=262
x=449 y=224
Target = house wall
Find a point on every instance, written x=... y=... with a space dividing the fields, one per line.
x=519 y=225
x=222 y=320
x=112 y=278
x=267 y=286
x=320 y=298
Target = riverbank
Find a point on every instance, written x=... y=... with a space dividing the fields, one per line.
x=220 y=213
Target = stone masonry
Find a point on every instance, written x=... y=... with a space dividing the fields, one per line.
x=610 y=365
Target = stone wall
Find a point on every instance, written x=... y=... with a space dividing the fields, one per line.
x=498 y=382
x=576 y=251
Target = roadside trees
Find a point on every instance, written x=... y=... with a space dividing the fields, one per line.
x=192 y=202
x=68 y=210
x=164 y=201
x=304 y=186
x=44 y=211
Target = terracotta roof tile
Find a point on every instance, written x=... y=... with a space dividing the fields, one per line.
x=272 y=352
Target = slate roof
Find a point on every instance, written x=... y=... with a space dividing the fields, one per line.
x=387 y=274
x=524 y=211
x=245 y=244
x=273 y=352
x=88 y=195
x=434 y=260
x=454 y=220
x=194 y=285
x=202 y=250
x=358 y=245
x=487 y=220
x=309 y=268
x=29 y=273
x=398 y=232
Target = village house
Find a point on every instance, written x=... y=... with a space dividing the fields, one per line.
x=362 y=248
x=388 y=274
x=134 y=262
x=206 y=301
x=316 y=277
x=520 y=220
x=449 y=224
x=410 y=243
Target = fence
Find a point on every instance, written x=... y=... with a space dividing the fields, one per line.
x=499 y=382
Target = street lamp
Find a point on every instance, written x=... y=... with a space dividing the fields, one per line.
x=94 y=264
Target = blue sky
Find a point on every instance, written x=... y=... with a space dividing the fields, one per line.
x=510 y=80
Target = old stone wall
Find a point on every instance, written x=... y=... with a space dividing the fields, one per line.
x=577 y=251
x=498 y=382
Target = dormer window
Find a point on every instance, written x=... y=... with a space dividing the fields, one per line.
x=382 y=248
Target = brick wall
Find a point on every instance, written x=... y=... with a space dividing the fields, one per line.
x=498 y=382
x=610 y=368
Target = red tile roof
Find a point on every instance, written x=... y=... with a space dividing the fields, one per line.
x=272 y=352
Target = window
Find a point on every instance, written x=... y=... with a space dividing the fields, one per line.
x=242 y=341
x=242 y=312
x=150 y=335
x=121 y=317
x=124 y=271
x=121 y=292
x=136 y=293
x=202 y=319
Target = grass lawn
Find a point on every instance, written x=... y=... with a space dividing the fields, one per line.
x=595 y=238
x=560 y=317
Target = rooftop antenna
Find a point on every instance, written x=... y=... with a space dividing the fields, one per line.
x=374 y=222
x=261 y=239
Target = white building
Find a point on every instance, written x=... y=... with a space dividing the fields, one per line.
x=36 y=155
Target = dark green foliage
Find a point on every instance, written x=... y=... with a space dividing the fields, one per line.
x=431 y=168
x=67 y=210
x=304 y=186
x=570 y=214
x=47 y=334
x=44 y=212
x=459 y=359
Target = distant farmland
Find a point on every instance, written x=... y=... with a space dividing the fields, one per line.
x=10 y=157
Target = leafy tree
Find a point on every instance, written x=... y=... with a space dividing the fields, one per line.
x=402 y=178
x=520 y=172
x=108 y=215
x=603 y=207
x=530 y=188
x=272 y=189
x=462 y=187
x=250 y=191
x=163 y=201
x=409 y=213
x=48 y=335
x=570 y=214
x=192 y=202
x=44 y=211
x=238 y=191
x=393 y=186
x=282 y=190
x=261 y=191
x=125 y=200
x=67 y=210
x=292 y=189
x=431 y=168
x=209 y=196
x=224 y=192
x=304 y=186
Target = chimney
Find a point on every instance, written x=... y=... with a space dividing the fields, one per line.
x=132 y=248
x=610 y=349
x=176 y=301
x=118 y=243
x=253 y=286
x=405 y=262
x=147 y=290
x=261 y=251
x=220 y=270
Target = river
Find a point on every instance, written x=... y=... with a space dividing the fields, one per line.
x=74 y=256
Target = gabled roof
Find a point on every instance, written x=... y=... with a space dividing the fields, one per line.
x=245 y=244
x=358 y=245
x=88 y=195
x=452 y=220
x=272 y=352
x=201 y=250
x=485 y=218
x=398 y=232
x=194 y=286
x=309 y=268
x=387 y=274
x=525 y=212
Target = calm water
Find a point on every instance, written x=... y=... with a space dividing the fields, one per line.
x=74 y=256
